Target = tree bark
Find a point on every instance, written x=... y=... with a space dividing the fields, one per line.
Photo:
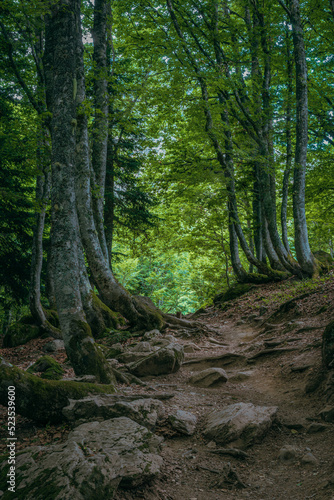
x=288 y=165
x=81 y=349
x=137 y=311
x=43 y=186
x=303 y=251
x=100 y=124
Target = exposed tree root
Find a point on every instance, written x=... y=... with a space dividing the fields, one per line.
x=39 y=399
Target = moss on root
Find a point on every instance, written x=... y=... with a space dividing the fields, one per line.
x=233 y=293
x=101 y=318
x=42 y=400
x=85 y=355
x=151 y=317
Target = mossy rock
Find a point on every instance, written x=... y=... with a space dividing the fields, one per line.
x=49 y=367
x=325 y=259
x=21 y=332
x=232 y=293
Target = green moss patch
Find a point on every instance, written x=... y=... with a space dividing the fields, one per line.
x=21 y=332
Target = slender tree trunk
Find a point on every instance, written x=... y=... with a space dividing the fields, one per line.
x=109 y=207
x=257 y=217
x=111 y=292
x=85 y=357
x=100 y=125
x=303 y=251
x=287 y=171
x=43 y=186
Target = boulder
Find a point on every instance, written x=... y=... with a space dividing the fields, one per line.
x=48 y=366
x=183 y=422
x=96 y=460
x=141 y=347
x=163 y=361
x=288 y=453
x=102 y=407
x=240 y=422
x=54 y=346
x=212 y=377
x=151 y=334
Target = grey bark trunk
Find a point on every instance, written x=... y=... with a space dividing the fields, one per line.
x=81 y=349
x=286 y=176
x=100 y=125
x=109 y=207
x=303 y=251
x=111 y=292
x=43 y=186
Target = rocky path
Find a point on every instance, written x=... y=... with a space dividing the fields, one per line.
x=294 y=459
x=279 y=447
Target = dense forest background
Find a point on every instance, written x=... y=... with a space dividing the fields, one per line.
x=215 y=120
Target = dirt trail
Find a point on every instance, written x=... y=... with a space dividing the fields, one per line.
x=193 y=472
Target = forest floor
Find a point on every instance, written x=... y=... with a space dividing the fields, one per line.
x=192 y=470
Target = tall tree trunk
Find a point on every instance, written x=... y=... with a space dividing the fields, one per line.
x=100 y=125
x=287 y=171
x=303 y=251
x=83 y=353
x=43 y=185
x=257 y=217
x=109 y=207
x=111 y=292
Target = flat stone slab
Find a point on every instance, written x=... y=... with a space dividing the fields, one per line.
x=97 y=459
x=211 y=377
x=242 y=423
x=143 y=411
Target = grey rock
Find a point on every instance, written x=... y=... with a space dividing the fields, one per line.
x=209 y=378
x=54 y=346
x=131 y=357
x=165 y=360
x=309 y=459
x=142 y=347
x=102 y=407
x=287 y=453
x=243 y=423
x=240 y=376
x=183 y=422
x=151 y=334
x=160 y=342
x=97 y=459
